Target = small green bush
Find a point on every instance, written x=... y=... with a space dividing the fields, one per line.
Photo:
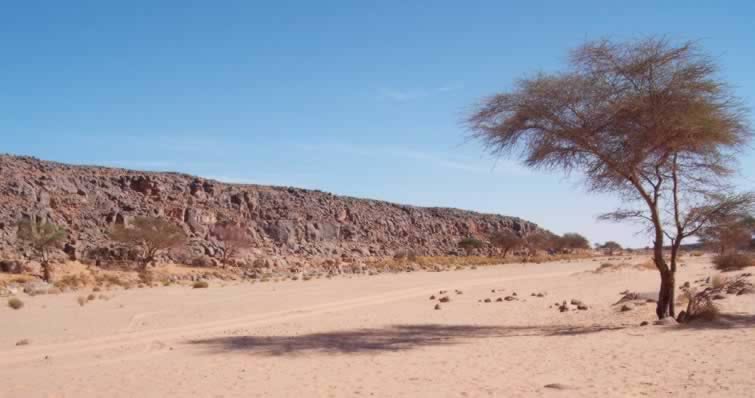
x=15 y=303
x=732 y=262
x=201 y=285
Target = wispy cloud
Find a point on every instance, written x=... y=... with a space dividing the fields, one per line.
x=502 y=166
x=298 y=180
x=159 y=164
x=140 y=164
x=434 y=159
x=405 y=95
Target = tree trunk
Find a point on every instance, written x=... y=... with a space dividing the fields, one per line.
x=144 y=264
x=46 y=267
x=665 y=305
x=675 y=245
x=46 y=271
x=665 y=293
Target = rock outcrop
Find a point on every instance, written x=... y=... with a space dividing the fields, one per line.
x=87 y=201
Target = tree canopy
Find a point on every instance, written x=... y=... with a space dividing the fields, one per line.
x=573 y=241
x=506 y=240
x=647 y=119
x=234 y=239
x=42 y=237
x=151 y=235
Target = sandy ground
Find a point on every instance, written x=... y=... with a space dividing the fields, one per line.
x=379 y=336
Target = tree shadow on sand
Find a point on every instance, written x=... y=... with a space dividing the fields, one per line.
x=723 y=321
x=389 y=339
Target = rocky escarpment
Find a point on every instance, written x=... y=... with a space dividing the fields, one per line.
x=285 y=222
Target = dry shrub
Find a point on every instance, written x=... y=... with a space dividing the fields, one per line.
x=15 y=303
x=648 y=264
x=91 y=297
x=718 y=281
x=146 y=277
x=409 y=255
x=200 y=285
x=400 y=262
x=700 y=306
x=732 y=262
x=612 y=267
x=75 y=281
x=81 y=300
x=110 y=280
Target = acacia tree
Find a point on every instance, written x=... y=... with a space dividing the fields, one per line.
x=234 y=238
x=573 y=241
x=149 y=236
x=538 y=241
x=42 y=237
x=469 y=244
x=730 y=233
x=506 y=240
x=610 y=247
x=647 y=119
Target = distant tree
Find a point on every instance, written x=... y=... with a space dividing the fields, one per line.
x=469 y=244
x=539 y=241
x=234 y=238
x=646 y=119
x=729 y=233
x=506 y=240
x=149 y=236
x=573 y=241
x=610 y=247
x=42 y=237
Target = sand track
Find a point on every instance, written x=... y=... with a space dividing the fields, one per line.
x=378 y=336
x=135 y=339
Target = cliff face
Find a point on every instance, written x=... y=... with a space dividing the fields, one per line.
x=87 y=201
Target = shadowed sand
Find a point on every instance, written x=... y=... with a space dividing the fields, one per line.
x=394 y=338
x=380 y=336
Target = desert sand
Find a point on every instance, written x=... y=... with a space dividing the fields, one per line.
x=380 y=336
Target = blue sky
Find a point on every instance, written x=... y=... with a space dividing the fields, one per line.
x=356 y=99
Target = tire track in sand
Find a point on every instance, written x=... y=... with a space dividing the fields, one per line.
x=164 y=335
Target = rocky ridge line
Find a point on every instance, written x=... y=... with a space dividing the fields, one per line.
x=283 y=222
